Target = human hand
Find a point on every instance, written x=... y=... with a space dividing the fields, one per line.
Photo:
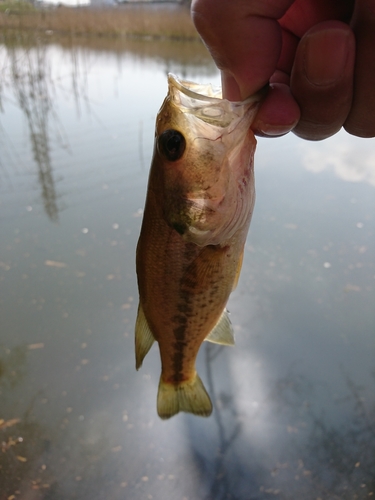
x=317 y=55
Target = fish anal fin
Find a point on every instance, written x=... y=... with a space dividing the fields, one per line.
x=143 y=338
x=189 y=396
x=222 y=332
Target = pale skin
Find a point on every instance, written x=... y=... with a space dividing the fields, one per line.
x=317 y=55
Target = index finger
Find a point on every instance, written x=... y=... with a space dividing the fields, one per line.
x=361 y=119
x=244 y=39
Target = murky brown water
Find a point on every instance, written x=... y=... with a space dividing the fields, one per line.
x=294 y=401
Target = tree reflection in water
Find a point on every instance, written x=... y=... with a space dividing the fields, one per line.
x=315 y=456
x=330 y=462
x=337 y=460
x=22 y=440
x=227 y=434
x=343 y=459
x=32 y=87
x=319 y=459
x=35 y=89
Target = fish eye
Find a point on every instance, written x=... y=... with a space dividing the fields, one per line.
x=172 y=144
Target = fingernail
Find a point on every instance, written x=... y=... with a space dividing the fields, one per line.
x=266 y=130
x=326 y=54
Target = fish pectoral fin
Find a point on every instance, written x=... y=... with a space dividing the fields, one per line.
x=222 y=332
x=189 y=396
x=143 y=338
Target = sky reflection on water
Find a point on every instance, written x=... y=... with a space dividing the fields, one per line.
x=294 y=399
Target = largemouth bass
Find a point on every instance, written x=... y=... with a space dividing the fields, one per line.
x=200 y=199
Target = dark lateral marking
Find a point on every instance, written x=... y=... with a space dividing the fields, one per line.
x=185 y=309
x=179 y=333
x=190 y=251
x=190 y=282
x=177 y=361
x=185 y=297
x=180 y=319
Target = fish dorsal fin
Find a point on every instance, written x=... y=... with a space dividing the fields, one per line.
x=143 y=338
x=189 y=396
x=222 y=333
x=239 y=266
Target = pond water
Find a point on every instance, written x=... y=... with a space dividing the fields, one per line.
x=294 y=400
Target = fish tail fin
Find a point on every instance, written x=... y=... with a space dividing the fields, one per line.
x=189 y=396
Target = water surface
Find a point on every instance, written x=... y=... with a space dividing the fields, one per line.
x=294 y=400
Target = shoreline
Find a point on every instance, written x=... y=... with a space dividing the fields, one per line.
x=136 y=22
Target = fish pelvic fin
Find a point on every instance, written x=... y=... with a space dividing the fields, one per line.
x=238 y=272
x=143 y=338
x=189 y=396
x=222 y=333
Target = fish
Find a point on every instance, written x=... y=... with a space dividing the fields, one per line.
x=199 y=202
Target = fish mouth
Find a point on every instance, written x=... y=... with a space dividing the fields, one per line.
x=205 y=101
